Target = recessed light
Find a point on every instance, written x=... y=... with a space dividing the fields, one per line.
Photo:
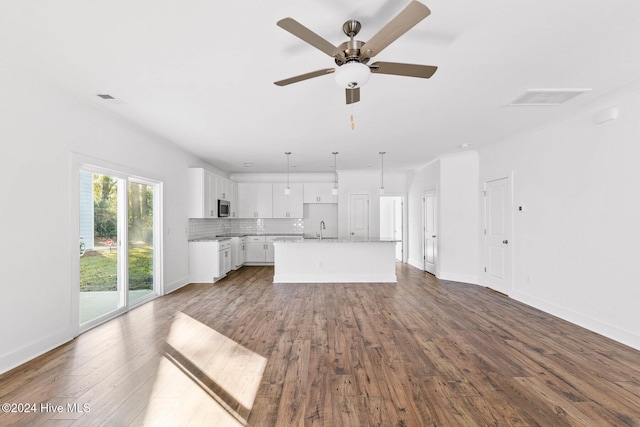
x=247 y=164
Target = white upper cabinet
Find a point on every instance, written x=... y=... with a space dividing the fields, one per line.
x=224 y=188
x=255 y=200
x=203 y=200
x=233 y=199
x=205 y=188
x=319 y=192
x=227 y=190
x=288 y=206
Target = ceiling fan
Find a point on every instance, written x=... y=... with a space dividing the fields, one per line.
x=352 y=56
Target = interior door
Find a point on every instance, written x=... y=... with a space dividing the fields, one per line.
x=497 y=242
x=430 y=236
x=391 y=222
x=359 y=216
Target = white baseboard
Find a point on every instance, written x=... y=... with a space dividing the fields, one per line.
x=455 y=277
x=174 y=286
x=22 y=355
x=610 y=331
x=417 y=263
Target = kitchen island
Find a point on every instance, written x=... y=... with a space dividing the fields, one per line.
x=334 y=261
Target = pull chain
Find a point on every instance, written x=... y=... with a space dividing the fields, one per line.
x=353 y=123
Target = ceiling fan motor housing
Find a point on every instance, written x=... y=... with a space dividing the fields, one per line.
x=351 y=27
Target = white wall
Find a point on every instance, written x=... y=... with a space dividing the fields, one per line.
x=576 y=244
x=454 y=178
x=39 y=128
x=316 y=212
x=458 y=223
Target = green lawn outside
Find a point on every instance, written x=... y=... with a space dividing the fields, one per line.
x=98 y=270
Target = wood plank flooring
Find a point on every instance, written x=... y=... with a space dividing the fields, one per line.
x=422 y=352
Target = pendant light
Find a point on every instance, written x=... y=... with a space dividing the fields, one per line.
x=382 y=153
x=287 y=190
x=334 y=190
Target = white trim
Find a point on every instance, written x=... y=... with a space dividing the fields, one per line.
x=30 y=351
x=174 y=286
x=416 y=263
x=454 y=277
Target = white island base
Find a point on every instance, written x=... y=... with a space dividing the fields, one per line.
x=334 y=261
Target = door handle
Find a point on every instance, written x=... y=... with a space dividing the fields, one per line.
x=506 y=242
x=434 y=236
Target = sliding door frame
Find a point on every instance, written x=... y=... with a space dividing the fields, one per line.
x=80 y=162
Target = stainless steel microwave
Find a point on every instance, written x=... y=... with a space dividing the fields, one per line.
x=224 y=207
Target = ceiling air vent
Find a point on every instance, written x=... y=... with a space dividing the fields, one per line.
x=105 y=96
x=546 y=96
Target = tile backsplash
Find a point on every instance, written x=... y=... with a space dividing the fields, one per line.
x=200 y=228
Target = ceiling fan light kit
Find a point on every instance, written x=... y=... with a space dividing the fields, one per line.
x=352 y=56
x=352 y=75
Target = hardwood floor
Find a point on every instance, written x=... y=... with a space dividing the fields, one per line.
x=417 y=353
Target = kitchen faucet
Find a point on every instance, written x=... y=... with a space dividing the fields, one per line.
x=322 y=227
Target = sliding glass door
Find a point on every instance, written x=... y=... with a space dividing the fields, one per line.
x=118 y=232
x=140 y=258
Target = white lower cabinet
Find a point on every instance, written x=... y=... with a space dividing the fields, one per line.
x=209 y=261
x=260 y=249
x=255 y=249
x=224 y=256
x=238 y=249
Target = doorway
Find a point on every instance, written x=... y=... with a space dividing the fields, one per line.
x=119 y=232
x=430 y=223
x=392 y=222
x=497 y=235
x=359 y=216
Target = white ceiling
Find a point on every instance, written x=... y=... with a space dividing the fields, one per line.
x=200 y=73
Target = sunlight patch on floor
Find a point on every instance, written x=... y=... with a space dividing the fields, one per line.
x=203 y=377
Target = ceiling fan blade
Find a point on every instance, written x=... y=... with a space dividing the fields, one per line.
x=403 y=22
x=398 y=69
x=305 y=34
x=353 y=95
x=306 y=76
